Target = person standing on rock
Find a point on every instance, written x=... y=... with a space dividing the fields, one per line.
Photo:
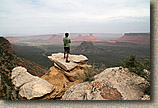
x=67 y=42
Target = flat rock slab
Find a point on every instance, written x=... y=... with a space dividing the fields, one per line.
x=78 y=58
x=75 y=60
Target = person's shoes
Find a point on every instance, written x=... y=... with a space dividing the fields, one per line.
x=64 y=57
x=67 y=61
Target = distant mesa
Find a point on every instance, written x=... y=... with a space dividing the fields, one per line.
x=90 y=37
x=79 y=38
x=75 y=37
x=55 y=38
x=136 y=38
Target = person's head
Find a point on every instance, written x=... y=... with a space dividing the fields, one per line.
x=66 y=34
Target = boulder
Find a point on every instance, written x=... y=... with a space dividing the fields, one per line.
x=75 y=60
x=36 y=88
x=20 y=76
x=80 y=91
x=17 y=70
x=130 y=85
x=77 y=92
x=30 y=86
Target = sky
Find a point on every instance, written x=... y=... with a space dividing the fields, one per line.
x=29 y=17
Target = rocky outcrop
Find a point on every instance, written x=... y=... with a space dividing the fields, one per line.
x=111 y=84
x=57 y=78
x=54 y=83
x=62 y=76
x=75 y=60
x=62 y=83
x=30 y=86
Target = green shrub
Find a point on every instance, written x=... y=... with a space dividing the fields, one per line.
x=90 y=72
x=137 y=66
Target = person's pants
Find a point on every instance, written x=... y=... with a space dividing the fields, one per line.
x=67 y=49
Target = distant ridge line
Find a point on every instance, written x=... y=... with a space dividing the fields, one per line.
x=131 y=34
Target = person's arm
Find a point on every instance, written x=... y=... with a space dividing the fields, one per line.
x=69 y=41
x=64 y=41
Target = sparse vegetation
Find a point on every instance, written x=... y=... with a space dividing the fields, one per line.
x=90 y=72
x=140 y=67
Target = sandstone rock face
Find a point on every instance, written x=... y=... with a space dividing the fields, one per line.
x=57 y=79
x=62 y=81
x=30 y=86
x=111 y=84
x=59 y=60
x=77 y=72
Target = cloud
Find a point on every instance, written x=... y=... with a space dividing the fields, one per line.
x=53 y=16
